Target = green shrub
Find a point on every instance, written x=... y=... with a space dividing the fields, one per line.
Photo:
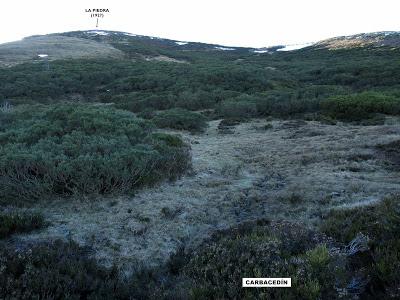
x=318 y=257
x=240 y=107
x=286 y=102
x=169 y=139
x=227 y=125
x=292 y=198
x=136 y=102
x=230 y=122
x=358 y=107
x=147 y=114
x=381 y=223
x=65 y=270
x=11 y=223
x=196 y=100
x=57 y=271
x=252 y=250
x=81 y=149
x=378 y=221
x=181 y=119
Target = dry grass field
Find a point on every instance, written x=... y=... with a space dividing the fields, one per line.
x=296 y=170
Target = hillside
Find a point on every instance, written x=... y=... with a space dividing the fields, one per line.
x=54 y=47
x=154 y=42
x=136 y=167
x=390 y=39
x=99 y=44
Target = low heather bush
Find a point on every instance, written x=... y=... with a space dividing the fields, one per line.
x=81 y=149
x=181 y=119
x=358 y=107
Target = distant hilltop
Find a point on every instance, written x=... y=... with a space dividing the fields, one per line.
x=374 y=39
x=115 y=44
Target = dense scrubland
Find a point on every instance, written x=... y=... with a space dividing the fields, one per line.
x=88 y=128
x=79 y=149
x=282 y=84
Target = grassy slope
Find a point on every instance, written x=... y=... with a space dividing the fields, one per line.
x=56 y=47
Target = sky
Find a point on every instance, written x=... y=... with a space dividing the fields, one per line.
x=252 y=23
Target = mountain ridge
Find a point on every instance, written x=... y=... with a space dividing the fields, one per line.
x=116 y=44
x=370 y=39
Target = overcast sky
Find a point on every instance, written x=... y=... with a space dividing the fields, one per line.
x=255 y=23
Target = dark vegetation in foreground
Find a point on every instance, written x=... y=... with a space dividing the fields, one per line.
x=13 y=222
x=380 y=262
x=69 y=149
x=355 y=253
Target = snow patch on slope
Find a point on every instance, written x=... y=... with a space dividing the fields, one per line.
x=224 y=48
x=98 y=32
x=260 y=51
x=294 y=47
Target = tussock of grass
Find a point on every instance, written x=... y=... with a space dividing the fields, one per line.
x=391 y=153
x=11 y=223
